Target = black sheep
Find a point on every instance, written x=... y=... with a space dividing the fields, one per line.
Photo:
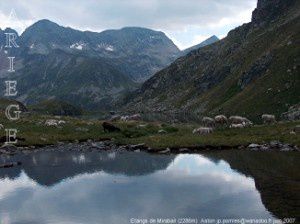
x=109 y=127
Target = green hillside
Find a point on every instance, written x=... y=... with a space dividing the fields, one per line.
x=254 y=70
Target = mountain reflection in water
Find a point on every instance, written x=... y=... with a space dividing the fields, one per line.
x=112 y=187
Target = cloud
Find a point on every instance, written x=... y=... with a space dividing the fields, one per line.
x=206 y=17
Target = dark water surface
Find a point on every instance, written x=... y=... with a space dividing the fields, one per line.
x=114 y=187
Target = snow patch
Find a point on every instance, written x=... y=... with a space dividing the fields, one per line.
x=77 y=46
x=106 y=47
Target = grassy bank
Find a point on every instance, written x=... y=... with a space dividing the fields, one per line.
x=33 y=129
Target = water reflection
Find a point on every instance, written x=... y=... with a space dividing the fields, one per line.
x=276 y=176
x=49 y=168
x=112 y=187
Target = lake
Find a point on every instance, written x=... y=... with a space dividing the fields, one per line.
x=134 y=187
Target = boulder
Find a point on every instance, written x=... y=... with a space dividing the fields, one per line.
x=292 y=114
x=161 y=131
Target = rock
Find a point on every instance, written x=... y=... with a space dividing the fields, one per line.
x=286 y=148
x=142 y=126
x=137 y=146
x=292 y=114
x=161 y=131
x=275 y=144
x=253 y=145
x=167 y=150
x=264 y=148
x=241 y=147
x=182 y=150
x=257 y=69
x=82 y=129
x=9 y=165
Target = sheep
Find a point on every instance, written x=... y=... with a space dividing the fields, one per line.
x=51 y=122
x=109 y=127
x=221 y=119
x=124 y=118
x=209 y=122
x=247 y=123
x=268 y=118
x=236 y=119
x=135 y=117
x=61 y=122
x=203 y=130
x=115 y=118
x=240 y=120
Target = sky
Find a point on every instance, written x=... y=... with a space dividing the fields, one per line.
x=186 y=22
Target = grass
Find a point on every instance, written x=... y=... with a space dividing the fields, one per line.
x=32 y=128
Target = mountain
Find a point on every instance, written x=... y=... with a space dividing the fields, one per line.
x=254 y=70
x=141 y=51
x=87 y=69
x=56 y=107
x=206 y=42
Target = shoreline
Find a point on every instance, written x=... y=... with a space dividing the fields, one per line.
x=108 y=144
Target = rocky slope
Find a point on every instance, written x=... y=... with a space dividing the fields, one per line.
x=254 y=70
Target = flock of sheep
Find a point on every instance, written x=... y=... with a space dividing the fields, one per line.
x=233 y=122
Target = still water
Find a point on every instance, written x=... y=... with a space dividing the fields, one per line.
x=119 y=187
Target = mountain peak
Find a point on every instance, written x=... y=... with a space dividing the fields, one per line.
x=204 y=43
x=45 y=22
x=268 y=10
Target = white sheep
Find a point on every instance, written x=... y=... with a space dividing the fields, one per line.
x=124 y=118
x=203 y=130
x=61 y=122
x=221 y=119
x=240 y=120
x=135 y=117
x=208 y=121
x=51 y=122
x=268 y=118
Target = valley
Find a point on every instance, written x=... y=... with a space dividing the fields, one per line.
x=123 y=125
